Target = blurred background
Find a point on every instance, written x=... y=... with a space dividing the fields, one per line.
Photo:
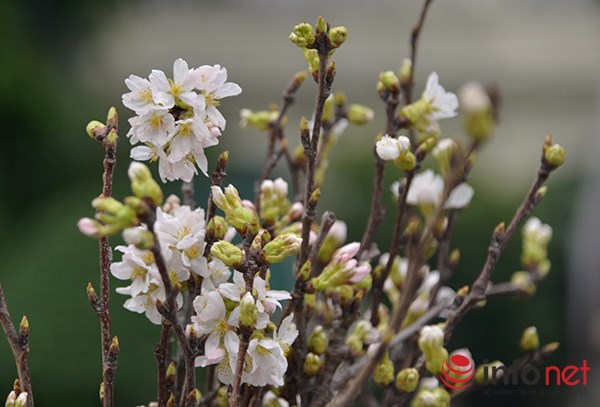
x=63 y=63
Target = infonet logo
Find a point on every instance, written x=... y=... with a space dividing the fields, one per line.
x=457 y=372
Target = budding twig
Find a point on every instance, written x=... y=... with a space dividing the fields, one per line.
x=19 y=344
x=277 y=134
x=107 y=136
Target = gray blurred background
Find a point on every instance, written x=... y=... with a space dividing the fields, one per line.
x=64 y=63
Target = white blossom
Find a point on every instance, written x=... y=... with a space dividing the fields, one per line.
x=442 y=104
x=427 y=188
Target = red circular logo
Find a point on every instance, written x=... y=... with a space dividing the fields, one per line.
x=457 y=371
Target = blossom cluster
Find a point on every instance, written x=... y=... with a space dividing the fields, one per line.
x=181 y=233
x=176 y=119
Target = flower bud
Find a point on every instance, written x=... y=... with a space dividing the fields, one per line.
x=171 y=372
x=530 y=340
x=281 y=247
x=337 y=36
x=140 y=238
x=261 y=120
x=312 y=364
x=407 y=379
x=302 y=35
x=390 y=81
x=321 y=25
x=143 y=185
x=248 y=311
x=477 y=108
x=217 y=227
x=522 y=280
x=431 y=337
x=228 y=253
x=384 y=372
x=95 y=129
x=444 y=153
x=359 y=114
x=317 y=342
x=554 y=156
x=405 y=70
x=90 y=227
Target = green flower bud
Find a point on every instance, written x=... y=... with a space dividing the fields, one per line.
x=217 y=227
x=302 y=35
x=405 y=70
x=312 y=364
x=328 y=108
x=281 y=247
x=317 y=342
x=522 y=280
x=435 y=359
x=445 y=153
x=530 y=340
x=143 y=185
x=407 y=379
x=390 y=81
x=228 y=253
x=114 y=217
x=384 y=372
x=477 y=109
x=261 y=120
x=554 y=156
x=95 y=129
x=359 y=114
x=337 y=36
x=112 y=118
x=248 y=311
x=321 y=25
x=312 y=57
x=406 y=161
x=221 y=398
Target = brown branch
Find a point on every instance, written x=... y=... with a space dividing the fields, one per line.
x=19 y=345
x=107 y=136
x=394 y=247
x=277 y=134
x=499 y=241
x=414 y=42
x=377 y=211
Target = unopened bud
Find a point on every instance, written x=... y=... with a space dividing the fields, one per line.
x=140 y=238
x=384 y=372
x=95 y=129
x=337 y=36
x=390 y=81
x=281 y=247
x=530 y=340
x=405 y=70
x=407 y=379
x=143 y=185
x=312 y=364
x=228 y=253
x=248 y=311
x=317 y=342
x=302 y=35
x=554 y=156
x=359 y=114
x=321 y=25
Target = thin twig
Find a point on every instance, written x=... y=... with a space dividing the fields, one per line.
x=19 y=345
